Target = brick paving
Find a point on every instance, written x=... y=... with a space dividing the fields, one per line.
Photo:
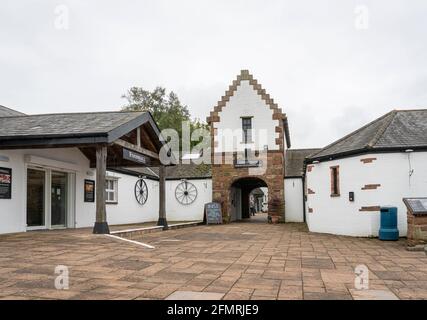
x=236 y=261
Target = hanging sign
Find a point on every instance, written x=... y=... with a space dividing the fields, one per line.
x=5 y=183
x=135 y=156
x=89 y=191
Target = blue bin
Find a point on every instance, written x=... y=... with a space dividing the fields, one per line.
x=388 y=227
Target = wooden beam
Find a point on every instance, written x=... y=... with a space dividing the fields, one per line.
x=135 y=148
x=162 y=198
x=101 y=225
x=138 y=136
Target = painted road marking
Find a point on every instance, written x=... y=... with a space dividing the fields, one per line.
x=131 y=241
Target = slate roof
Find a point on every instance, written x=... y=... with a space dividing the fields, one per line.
x=181 y=171
x=7 y=112
x=187 y=171
x=64 y=123
x=294 y=161
x=397 y=130
x=72 y=129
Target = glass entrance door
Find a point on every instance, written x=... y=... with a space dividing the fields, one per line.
x=36 y=199
x=59 y=198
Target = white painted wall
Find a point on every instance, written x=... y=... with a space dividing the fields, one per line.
x=246 y=102
x=294 y=206
x=13 y=215
x=340 y=216
x=176 y=211
x=265 y=199
x=127 y=210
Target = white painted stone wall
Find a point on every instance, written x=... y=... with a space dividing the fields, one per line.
x=176 y=211
x=246 y=103
x=294 y=205
x=337 y=215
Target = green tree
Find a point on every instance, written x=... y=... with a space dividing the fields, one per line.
x=166 y=108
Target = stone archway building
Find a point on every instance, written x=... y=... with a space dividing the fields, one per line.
x=249 y=135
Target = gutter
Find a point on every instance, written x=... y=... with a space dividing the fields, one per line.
x=362 y=151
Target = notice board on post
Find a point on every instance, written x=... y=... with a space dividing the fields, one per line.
x=213 y=213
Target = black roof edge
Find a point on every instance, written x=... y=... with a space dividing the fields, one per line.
x=287 y=134
x=364 y=151
x=132 y=173
x=189 y=178
x=30 y=141
x=152 y=177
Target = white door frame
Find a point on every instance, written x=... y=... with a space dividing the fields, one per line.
x=71 y=197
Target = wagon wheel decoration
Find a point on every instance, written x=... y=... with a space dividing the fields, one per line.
x=141 y=191
x=186 y=193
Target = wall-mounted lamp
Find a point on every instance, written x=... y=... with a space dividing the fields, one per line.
x=4 y=158
x=316 y=161
x=409 y=150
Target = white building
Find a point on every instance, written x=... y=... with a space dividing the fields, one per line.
x=48 y=169
x=377 y=165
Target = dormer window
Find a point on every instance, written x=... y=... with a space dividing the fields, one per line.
x=247 y=129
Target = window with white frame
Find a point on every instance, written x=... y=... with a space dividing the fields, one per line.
x=111 y=190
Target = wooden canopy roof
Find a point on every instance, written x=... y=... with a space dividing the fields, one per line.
x=132 y=138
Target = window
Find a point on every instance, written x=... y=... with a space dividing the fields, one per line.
x=335 y=181
x=111 y=188
x=247 y=129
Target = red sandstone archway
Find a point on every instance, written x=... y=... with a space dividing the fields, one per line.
x=239 y=192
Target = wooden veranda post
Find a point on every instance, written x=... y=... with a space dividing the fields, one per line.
x=162 y=198
x=101 y=225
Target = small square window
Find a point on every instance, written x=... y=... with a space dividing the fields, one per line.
x=111 y=189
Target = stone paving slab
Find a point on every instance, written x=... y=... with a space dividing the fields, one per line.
x=194 y=295
x=237 y=261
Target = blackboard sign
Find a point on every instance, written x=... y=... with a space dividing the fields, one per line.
x=418 y=206
x=89 y=191
x=213 y=213
x=5 y=183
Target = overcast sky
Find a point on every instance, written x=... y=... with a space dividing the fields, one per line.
x=331 y=65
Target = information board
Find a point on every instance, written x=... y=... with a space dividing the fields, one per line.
x=416 y=205
x=89 y=191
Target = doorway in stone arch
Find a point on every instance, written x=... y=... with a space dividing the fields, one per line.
x=248 y=199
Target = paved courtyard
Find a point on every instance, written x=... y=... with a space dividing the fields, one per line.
x=246 y=260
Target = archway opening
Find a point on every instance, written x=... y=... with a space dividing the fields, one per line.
x=248 y=199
